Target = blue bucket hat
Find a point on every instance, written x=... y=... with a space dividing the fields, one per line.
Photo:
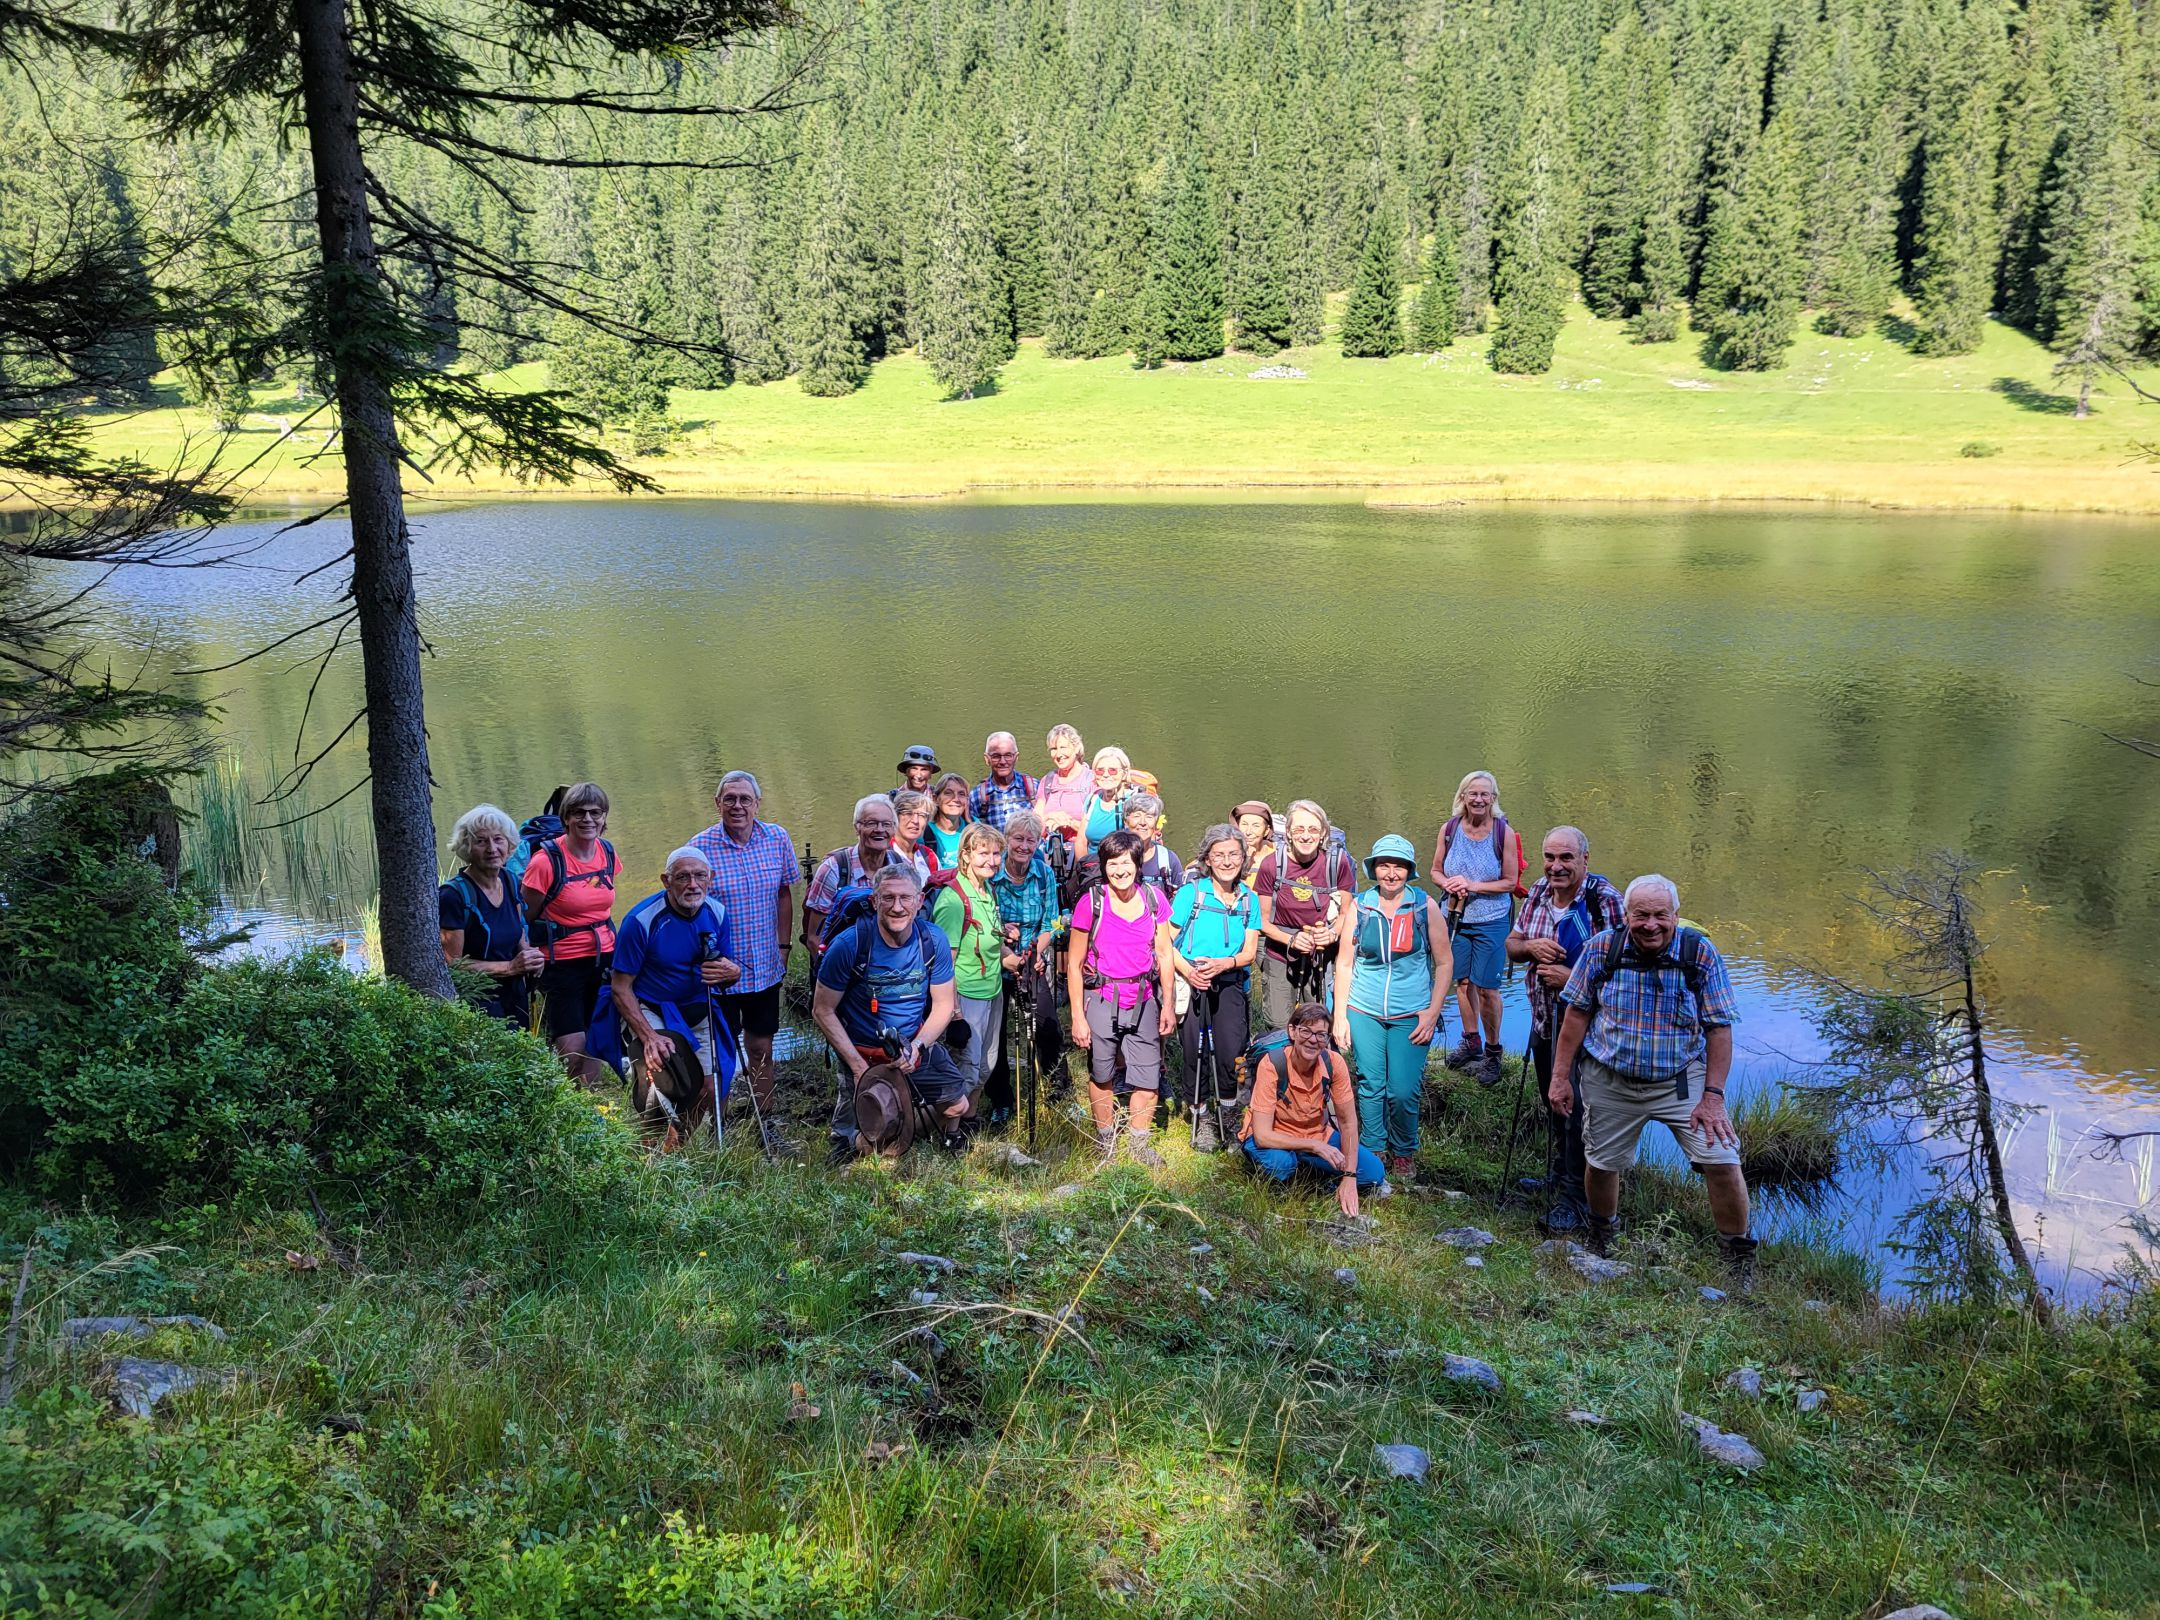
x=1392 y=847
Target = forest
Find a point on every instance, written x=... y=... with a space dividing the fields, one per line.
x=1166 y=180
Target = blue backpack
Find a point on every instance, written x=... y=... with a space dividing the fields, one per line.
x=536 y=831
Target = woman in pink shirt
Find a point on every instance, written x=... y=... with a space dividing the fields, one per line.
x=1117 y=971
x=1063 y=791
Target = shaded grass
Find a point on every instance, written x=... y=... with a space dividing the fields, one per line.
x=536 y=1396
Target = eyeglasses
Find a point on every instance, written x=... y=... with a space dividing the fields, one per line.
x=738 y=798
x=1309 y=1036
x=873 y=825
x=586 y=814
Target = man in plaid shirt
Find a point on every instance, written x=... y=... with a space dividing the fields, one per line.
x=753 y=878
x=1648 y=1035
x=1007 y=790
x=1567 y=908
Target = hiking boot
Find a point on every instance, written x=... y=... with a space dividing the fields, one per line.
x=1142 y=1151
x=839 y=1150
x=1465 y=1056
x=1488 y=1069
x=1402 y=1167
x=1599 y=1232
x=1205 y=1137
x=1739 y=1256
x=954 y=1140
x=775 y=1145
x=1106 y=1143
x=1386 y=1189
x=1562 y=1220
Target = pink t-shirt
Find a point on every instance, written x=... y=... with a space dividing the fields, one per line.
x=1124 y=947
x=1069 y=795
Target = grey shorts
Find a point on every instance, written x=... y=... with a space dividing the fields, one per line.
x=1616 y=1107
x=1133 y=1032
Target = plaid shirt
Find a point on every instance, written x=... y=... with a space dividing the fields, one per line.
x=843 y=869
x=1030 y=902
x=987 y=801
x=1645 y=1023
x=747 y=880
x=1596 y=907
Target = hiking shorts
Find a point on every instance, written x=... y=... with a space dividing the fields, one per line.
x=1134 y=1033
x=755 y=1014
x=572 y=990
x=1481 y=952
x=1617 y=1106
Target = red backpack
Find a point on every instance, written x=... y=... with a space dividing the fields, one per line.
x=1522 y=862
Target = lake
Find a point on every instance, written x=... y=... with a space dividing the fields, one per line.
x=1758 y=704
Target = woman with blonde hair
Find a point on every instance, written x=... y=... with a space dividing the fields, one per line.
x=1062 y=792
x=1476 y=861
x=483 y=927
x=1306 y=887
x=948 y=819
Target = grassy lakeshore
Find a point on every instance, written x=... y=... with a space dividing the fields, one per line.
x=712 y=1393
x=1848 y=420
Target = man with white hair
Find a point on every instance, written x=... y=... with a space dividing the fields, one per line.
x=671 y=955
x=753 y=879
x=1567 y=908
x=852 y=866
x=1007 y=790
x=1648 y=1036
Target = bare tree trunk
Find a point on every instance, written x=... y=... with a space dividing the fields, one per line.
x=382 y=581
x=1991 y=1154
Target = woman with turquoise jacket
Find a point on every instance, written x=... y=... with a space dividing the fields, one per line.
x=1397 y=987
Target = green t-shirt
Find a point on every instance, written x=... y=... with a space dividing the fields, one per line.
x=977 y=950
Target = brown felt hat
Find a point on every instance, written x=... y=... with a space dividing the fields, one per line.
x=884 y=1111
x=1254 y=807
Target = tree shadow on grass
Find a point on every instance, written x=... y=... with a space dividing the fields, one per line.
x=2029 y=397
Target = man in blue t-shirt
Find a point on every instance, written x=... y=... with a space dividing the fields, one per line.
x=671 y=953
x=888 y=981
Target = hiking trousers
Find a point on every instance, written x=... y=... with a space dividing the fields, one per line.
x=985 y=1020
x=1566 y=1142
x=1278 y=995
x=1280 y=1164
x=1225 y=1008
x=1390 y=1081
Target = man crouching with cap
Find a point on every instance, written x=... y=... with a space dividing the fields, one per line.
x=885 y=987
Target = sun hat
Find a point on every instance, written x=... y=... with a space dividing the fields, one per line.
x=919 y=754
x=885 y=1110
x=1392 y=847
x=1254 y=807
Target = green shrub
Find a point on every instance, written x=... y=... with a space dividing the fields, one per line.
x=1978 y=449
x=271 y=1077
x=2084 y=1399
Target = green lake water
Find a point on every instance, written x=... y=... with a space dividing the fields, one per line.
x=1758 y=704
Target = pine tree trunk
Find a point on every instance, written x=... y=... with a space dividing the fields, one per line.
x=1991 y=1154
x=382 y=582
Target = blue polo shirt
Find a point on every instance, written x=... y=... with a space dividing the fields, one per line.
x=661 y=949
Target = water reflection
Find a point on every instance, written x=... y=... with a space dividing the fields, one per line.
x=1758 y=704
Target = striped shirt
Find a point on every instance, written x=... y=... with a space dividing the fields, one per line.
x=747 y=880
x=1644 y=1021
x=997 y=803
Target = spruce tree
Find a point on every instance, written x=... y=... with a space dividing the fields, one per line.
x=1259 y=251
x=1953 y=272
x=823 y=327
x=1068 y=252
x=1432 y=322
x=1856 y=234
x=2092 y=228
x=1185 y=288
x=1020 y=235
x=1663 y=268
x=964 y=322
x=1749 y=301
x=1372 y=326
x=1474 y=250
x=1538 y=234
x=1616 y=162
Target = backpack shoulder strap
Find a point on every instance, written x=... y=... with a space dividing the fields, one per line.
x=558 y=873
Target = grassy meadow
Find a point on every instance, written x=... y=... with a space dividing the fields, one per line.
x=723 y=1392
x=1850 y=420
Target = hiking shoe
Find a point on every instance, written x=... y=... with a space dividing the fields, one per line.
x=1562 y=1220
x=1402 y=1167
x=954 y=1141
x=1106 y=1144
x=1488 y=1069
x=776 y=1146
x=1465 y=1056
x=1206 y=1138
x=1142 y=1151
x=1599 y=1232
x=1386 y=1189
x=839 y=1150
x=1739 y=1256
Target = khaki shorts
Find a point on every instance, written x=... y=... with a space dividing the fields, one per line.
x=1616 y=1107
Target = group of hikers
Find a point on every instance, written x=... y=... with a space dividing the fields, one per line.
x=972 y=937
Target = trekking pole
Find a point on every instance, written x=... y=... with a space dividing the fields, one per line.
x=1028 y=1039
x=1214 y=1064
x=1507 y=1164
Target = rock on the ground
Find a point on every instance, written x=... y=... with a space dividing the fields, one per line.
x=936 y=1262
x=1591 y=1269
x=1921 y=1611
x=1559 y=1246
x=1272 y=373
x=1811 y=1400
x=139 y=1385
x=1345 y=1276
x=1404 y=1462
x=1476 y=1262
x=1007 y=1156
x=78 y=1328
x=1063 y=1191
x=1466 y=1237
x=906 y=1374
x=1201 y=1248
x=1814 y=1305
x=922 y=1296
x=1583 y=1417
x=1711 y=1296
x=1724 y=1445
x=1206 y=1298
x=1470 y=1370
x=1745 y=1381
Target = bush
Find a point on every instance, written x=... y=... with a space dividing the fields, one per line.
x=2084 y=1399
x=1978 y=449
x=271 y=1077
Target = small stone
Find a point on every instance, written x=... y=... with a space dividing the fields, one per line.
x=1583 y=1417
x=1591 y=1269
x=1711 y=1296
x=139 y=1385
x=1811 y=1400
x=1450 y=1194
x=1465 y=1237
x=1404 y=1462
x=1008 y=1157
x=78 y=1328
x=1470 y=1370
x=1345 y=1276
x=1201 y=1248
x=1476 y=1262
x=906 y=1374
x=1921 y=1611
x=1206 y=1298
x=929 y=1338
x=1066 y=1190
x=936 y=1262
x=922 y=1296
x=1559 y=1246
x=1723 y=1445
x=1814 y=1305
x=1634 y=1588
x=1745 y=1381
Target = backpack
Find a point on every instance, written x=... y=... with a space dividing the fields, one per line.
x=1522 y=862
x=476 y=909
x=1420 y=926
x=1687 y=940
x=1201 y=902
x=1275 y=1044
x=536 y=831
x=863 y=926
x=1150 y=900
x=546 y=933
x=941 y=880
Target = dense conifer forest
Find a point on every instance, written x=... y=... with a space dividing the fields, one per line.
x=1166 y=179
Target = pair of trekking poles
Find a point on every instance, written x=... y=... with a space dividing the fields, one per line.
x=1452 y=915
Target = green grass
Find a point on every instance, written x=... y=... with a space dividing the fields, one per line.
x=534 y=1414
x=1860 y=420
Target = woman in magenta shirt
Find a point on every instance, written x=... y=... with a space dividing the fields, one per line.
x=1117 y=971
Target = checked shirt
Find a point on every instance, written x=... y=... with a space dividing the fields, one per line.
x=997 y=804
x=1646 y=1023
x=747 y=880
x=1596 y=908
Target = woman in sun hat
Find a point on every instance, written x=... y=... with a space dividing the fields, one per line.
x=1389 y=992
